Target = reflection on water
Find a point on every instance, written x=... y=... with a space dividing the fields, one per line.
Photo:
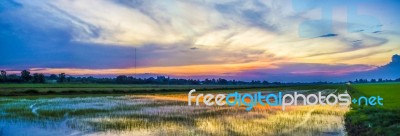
x=141 y=115
x=60 y=116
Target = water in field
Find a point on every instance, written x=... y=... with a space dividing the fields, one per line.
x=159 y=115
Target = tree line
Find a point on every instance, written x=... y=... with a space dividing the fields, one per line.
x=27 y=77
x=380 y=80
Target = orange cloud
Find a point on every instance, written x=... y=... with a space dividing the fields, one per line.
x=190 y=70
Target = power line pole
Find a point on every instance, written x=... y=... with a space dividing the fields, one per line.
x=135 y=62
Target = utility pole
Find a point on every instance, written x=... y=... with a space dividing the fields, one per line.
x=135 y=62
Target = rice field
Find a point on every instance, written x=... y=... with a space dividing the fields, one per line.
x=375 y=120
x=161 y=114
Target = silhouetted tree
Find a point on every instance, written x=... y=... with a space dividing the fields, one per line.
x=61 y=78
x=69 y=79
x=42 y=78
x=53 y=77
x=3 y=76
x=35 y=78
x=13 y=78
x=25 y=75
x=38 y=78
x=121 y=79
x=222 y=81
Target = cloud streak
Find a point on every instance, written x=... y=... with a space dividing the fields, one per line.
x=100 y=35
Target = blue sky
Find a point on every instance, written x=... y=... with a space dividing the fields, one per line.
x=289 y=39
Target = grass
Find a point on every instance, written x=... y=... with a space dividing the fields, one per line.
x=168 y=114
x=67 y=89
x=375 y=120
x=300 y=121
x=390 y=93
x=71 y=89
x=28 y=85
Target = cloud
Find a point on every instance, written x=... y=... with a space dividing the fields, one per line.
x=328 y=35
x=102 y=34
x=388 y=71
x=304 y=72
x=376 y=32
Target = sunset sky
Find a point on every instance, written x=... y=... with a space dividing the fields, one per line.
x=237 y=39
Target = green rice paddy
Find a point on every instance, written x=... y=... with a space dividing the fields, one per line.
x=165 y=111
x=375 y=120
